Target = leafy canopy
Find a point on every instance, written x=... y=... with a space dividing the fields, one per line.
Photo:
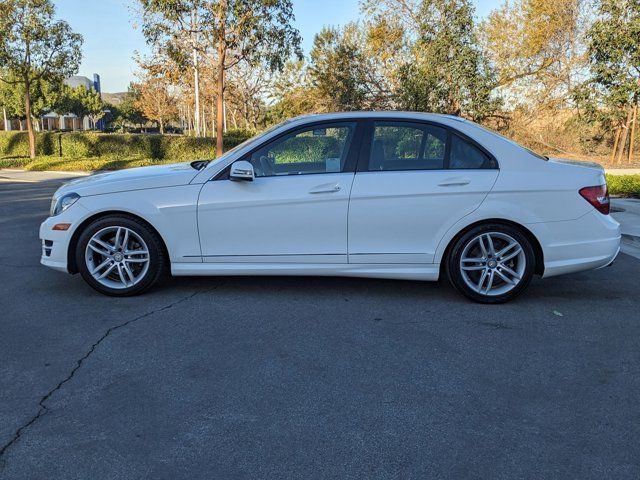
x=615 y=50
x=33 y=44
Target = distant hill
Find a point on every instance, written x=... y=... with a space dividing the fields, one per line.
x=113 y=98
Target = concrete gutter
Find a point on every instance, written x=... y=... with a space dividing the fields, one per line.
x=28 y=176
x=622 y=171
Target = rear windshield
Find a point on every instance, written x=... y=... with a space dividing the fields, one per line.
x=513 y=142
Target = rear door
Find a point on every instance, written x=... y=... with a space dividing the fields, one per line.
x=414 y=181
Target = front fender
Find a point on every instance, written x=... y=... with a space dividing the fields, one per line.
x=171 y=211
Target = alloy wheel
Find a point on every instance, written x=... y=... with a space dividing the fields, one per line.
x=493 y=263
x=117 y=257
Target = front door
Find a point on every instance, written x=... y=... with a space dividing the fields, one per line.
x=295 y=211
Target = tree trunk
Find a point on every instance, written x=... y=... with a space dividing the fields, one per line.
x=27 y=111
x=196 y=79
x=623 y=139
x=224 y=109
x=161 y=124
x=234 y=119
x=213 y=117
x=7 y=127
x=633 y=131
x=195 y=22
x=222 y=54
x=189 y=119
x=204 y=125
x=615 y=143
x=220 y=110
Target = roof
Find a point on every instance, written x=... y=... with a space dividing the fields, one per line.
x=450 y=120
x=78 y=80
x=379 y=114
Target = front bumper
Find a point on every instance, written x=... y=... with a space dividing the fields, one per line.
x=55 y=243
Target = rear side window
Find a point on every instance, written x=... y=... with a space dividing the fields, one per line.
x=416 y=146
x=398 y=146
x=465 y=155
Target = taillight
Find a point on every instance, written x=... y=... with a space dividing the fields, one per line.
x=597 y=196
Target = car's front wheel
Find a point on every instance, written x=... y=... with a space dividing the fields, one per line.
x=491 y=263
x=120 y=256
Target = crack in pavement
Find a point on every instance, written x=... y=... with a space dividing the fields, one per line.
x=44 y=409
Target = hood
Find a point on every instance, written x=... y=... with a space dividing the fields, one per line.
x=156 y=176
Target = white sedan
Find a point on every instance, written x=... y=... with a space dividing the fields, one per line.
x=407 y=196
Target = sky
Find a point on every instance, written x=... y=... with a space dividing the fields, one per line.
x=111 y=36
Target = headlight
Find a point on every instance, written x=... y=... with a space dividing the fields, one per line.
x=59 y=205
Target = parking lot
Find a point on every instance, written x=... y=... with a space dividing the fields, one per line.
x=311 y=377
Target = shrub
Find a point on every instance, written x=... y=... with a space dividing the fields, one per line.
x=16 y=144
x=241 y=133
x=76 y=145
x=117 y=146
x=624 y=185
x=182 y=149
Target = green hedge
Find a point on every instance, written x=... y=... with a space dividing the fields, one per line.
x=16 y=144
x=116 y=146
x=624 y=185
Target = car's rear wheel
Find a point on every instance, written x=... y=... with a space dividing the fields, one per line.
x=120 y=256
x=491 y=263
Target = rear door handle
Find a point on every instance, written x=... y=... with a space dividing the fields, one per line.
x=455 y=182
x=326 y=188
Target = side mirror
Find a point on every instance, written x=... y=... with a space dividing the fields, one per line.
x=242 y=171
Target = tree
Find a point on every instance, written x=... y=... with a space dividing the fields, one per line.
x=447 y=72
x=537 y=49
x=292 y=93
x=252 y=31
x=247 y=88
x=233 y=31
x=339 y=69
x=614 y=54
x=170 y=25
x=81 y=101
x=127 y=111
x=45 y=96
x=34 y=46
x=356 y=67
x=156 y=101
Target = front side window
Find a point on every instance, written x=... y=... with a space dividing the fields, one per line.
x=317 y=149
x=398 y=146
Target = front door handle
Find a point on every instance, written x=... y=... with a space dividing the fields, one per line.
x=326 y=188
x=455 y=182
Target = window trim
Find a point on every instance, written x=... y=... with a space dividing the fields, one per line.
x=351 y=159
x=364 y=156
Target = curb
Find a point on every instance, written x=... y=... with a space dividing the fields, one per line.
x=61 y=172
x=633 y=239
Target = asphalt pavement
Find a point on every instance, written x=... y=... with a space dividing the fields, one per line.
x=257 y=378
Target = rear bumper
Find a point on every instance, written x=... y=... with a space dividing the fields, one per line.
x=590 y=242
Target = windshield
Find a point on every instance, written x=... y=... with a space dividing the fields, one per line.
x=249 y=141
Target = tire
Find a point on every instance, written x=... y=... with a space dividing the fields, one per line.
x=491 y=263
x=120 y=256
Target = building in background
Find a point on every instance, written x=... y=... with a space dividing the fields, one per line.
x=69 y=121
